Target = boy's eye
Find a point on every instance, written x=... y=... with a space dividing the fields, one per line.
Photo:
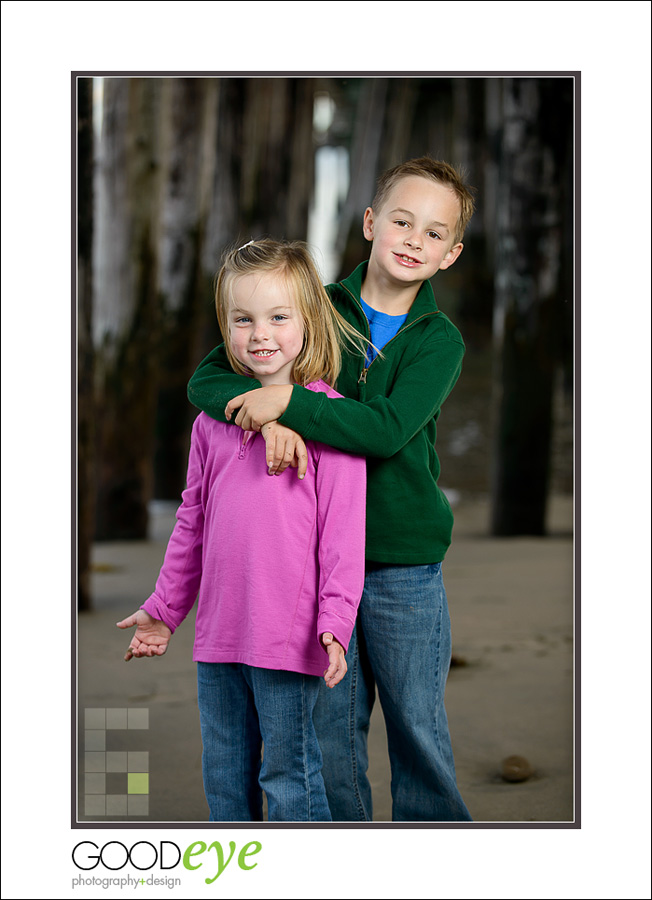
x=433 y=234
x=401 y=222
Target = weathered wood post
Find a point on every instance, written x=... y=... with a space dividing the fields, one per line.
x=126 y=316
x=85 y=367
x=533 y=166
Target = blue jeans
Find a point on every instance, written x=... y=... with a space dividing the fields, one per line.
x=240 y=708
x=402 y=645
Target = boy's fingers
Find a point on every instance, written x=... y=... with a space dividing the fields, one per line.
x=232 y=405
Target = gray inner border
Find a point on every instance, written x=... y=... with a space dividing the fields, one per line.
x=576 y=76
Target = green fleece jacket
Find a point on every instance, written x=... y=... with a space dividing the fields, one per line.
x=388 y=413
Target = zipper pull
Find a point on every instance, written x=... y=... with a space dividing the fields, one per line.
x=363 y=376
x=246 y=437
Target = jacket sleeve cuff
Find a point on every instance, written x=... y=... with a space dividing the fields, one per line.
x=302 y=411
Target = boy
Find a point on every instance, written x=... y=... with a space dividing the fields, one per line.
x=388 y=413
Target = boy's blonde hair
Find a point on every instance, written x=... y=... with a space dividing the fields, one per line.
x=324 y=328
x=435 y=170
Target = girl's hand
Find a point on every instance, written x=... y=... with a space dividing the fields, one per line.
x=151 y=637
x=337 y=668
x=259 y=406
x=284 y=448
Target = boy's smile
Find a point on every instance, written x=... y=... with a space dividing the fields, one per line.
x=408 y=260
x=266 y=330
x=413 y=232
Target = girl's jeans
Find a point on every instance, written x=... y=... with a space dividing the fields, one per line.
x=403 y=646
x=240 y=707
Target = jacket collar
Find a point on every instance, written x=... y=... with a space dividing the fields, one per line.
x=424 y=302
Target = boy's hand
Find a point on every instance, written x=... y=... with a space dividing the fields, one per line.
x=337 y=668
x=259 y=406
x=284 y=448
x=151 y=637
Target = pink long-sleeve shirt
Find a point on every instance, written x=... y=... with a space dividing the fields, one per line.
x=276 y=561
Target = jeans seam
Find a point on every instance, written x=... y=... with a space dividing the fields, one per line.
x=352 y=726
x=439 y=699
x=303 y=747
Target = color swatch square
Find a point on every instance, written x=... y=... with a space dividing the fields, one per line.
x=95 y=718
x=138 y=761
x=95 y=783
x=116 y=761
x=116 y=805
x=94 y=762
x=95 y=740
x=137 y=718
x=95 y=805
x=116 y=783
x=116 y=718
x=138 y=783
x=137 y=805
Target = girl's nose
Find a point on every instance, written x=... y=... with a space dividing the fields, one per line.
x=260 y=333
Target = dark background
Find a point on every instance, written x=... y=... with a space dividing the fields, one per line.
x=173 y=169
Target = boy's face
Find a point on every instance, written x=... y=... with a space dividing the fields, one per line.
x=413 y=231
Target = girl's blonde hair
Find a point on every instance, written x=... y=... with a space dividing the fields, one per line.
x=324 y=328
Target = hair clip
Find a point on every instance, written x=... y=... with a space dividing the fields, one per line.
x=245 y=245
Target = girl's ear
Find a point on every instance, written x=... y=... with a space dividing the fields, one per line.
x=368 y=224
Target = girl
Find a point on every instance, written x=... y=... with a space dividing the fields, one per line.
x=278 y=562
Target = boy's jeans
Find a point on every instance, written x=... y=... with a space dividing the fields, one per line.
x=404 y=647
x=241 y=706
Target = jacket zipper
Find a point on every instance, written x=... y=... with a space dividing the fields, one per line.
x=363 y=375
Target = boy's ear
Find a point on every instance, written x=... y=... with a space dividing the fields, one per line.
x=368 y=224
x=451 y=256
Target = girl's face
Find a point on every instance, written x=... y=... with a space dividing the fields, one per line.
x=265 y=327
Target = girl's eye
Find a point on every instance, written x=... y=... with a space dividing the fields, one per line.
x=279 y=318
x=242 y=320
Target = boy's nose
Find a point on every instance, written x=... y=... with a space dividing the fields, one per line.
x=413 y=242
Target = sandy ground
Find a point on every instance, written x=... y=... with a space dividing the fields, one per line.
x=511 y=604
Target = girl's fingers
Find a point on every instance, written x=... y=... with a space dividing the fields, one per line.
x=302 y=462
